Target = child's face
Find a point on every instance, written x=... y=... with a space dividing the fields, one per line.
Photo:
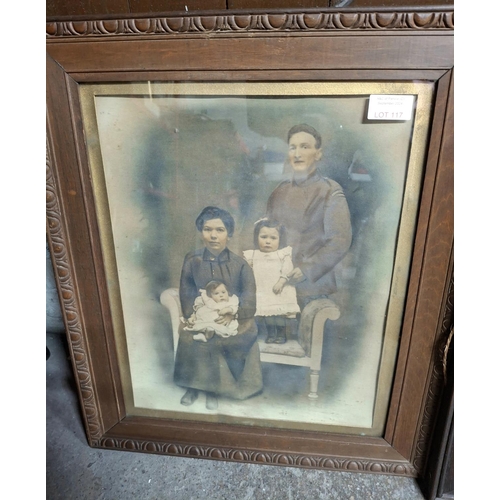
x=269 y=239
x=220 y=294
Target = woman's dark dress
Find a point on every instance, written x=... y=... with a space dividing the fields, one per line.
x=226 y=366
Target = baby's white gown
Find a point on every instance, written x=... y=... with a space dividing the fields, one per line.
x=207 y=311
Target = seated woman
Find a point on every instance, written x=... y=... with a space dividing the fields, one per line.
x=222 y=366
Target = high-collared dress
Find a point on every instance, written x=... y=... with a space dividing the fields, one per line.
x=226 y=366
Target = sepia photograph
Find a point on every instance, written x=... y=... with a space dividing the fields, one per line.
x=257 y=243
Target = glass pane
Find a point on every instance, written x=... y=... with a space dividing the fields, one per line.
x=309 y=329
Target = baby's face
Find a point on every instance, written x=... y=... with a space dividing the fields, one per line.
x=220 y=294
x=269 y=239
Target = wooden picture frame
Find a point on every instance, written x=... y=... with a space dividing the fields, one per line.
x=281 y=50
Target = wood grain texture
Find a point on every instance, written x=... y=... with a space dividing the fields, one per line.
x=432 y=295
x=85 y=7
x=149 y=6
x=105 y=347
x=58 y=8
x=395 y=45
x=255 y=53
x=277 y=4
x=434 y=387
x=441 y=234
x=69 y=241
x=238 y=23
x=221 y=442
x=259 y=457
x=442 y=91
x=57 y=234
x=263 y=75
x=439 y=402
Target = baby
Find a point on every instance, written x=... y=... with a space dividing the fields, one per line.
x=213 y=303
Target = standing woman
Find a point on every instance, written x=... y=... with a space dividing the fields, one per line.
x=229 y=366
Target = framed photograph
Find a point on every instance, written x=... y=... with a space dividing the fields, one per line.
x=250 y=218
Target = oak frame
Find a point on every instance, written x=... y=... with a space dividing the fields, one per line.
x=335 y=44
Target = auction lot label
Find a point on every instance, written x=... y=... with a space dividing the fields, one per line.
x=390 y=107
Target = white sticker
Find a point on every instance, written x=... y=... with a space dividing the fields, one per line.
x=390 y=107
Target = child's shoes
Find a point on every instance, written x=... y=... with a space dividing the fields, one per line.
x=271 y=334
x=280 y=336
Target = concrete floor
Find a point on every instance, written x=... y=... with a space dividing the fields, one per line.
x=76 y=471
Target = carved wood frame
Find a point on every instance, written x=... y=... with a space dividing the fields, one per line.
x=341 y=44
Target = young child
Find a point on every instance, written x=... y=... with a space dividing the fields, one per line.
x=212 y=303
x=271 y=261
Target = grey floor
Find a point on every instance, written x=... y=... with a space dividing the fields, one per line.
x=76 y=471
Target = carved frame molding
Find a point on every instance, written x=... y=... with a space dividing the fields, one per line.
x=201 y=25
x=436 y=20
x=258 y=457
x=69 y=302
x=437 y=380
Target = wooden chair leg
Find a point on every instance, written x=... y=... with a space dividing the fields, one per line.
x=314 y=379
x=311 y=332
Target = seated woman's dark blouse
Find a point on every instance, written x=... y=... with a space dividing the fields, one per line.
x=201 y=266
x=224 y=366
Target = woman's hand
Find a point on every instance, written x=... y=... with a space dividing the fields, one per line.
x=225 y=316
x=190 y=320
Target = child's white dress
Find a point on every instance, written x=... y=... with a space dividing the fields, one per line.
x=206 y=311
x=268 y=268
